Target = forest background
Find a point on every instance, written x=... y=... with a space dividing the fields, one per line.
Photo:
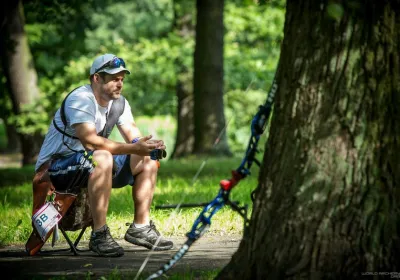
x=157 y=41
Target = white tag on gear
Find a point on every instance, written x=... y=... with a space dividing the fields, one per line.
x=45 y=219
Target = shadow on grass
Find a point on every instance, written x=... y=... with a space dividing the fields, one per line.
x=10 y=177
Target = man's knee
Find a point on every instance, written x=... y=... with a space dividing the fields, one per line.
x=150 y=165
x=103 y=159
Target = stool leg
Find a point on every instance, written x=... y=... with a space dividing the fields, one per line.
x=73 y=249
x=79 y=239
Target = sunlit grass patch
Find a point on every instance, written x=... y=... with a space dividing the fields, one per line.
x=176 y=184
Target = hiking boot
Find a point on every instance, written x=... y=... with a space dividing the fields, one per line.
x=102 y=243
x=147 y=237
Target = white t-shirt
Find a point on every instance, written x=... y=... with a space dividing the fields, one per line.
x=80 y=107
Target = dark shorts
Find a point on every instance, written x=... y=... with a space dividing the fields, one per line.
x=70 y=173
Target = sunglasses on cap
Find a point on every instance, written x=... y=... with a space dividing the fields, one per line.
x=116 y=62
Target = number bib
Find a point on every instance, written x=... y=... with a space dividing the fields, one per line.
x=45 y=219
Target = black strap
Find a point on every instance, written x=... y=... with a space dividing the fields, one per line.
x=117 y=108
x=62 y=110
x=63 y=131
x=63 y=118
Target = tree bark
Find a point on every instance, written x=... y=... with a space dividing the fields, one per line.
x=185 y=128
x=19 y=71
x=184 y=141
x=209 y=119
x=327 y=204
x=13 y=140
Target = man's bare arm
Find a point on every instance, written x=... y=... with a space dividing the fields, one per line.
x=87 y=134
x=130 y=131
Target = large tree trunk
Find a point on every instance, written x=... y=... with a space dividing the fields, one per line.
x=327 y=206
x=13 y=140
x=185 y=128
x=19 y=71
x=209 y=119
x=184 y=141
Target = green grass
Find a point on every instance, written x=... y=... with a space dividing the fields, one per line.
x=16 y=176
x=174 y=185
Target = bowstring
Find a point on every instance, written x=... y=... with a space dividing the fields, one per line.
x=194 y=179
x=176 y=209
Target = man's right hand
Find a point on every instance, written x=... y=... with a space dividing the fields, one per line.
x=145 y=145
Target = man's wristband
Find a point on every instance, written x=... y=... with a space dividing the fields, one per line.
x=135 y=140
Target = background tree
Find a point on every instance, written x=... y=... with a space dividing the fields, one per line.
x=327 y=203
x=12 y=144
x=208 y=81
x=20 y=73
x=65 y=36
x=184 y=28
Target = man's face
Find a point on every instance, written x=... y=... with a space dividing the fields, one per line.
x=111 y=85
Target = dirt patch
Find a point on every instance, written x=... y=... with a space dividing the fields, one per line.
x=206 y=254
x=10 y=160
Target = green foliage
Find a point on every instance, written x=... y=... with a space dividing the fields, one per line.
x=44 y=37
x=151 y=86
x=252 y=41
x=66 y=37
x=33 y=118
x=335 y=11
x=253 y=36
x=128 y=22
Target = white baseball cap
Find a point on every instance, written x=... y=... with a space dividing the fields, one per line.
x=100 y=63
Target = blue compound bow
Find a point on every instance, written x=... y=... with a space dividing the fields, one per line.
x=203 y=221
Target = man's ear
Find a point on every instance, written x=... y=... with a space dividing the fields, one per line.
x=99 y=77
